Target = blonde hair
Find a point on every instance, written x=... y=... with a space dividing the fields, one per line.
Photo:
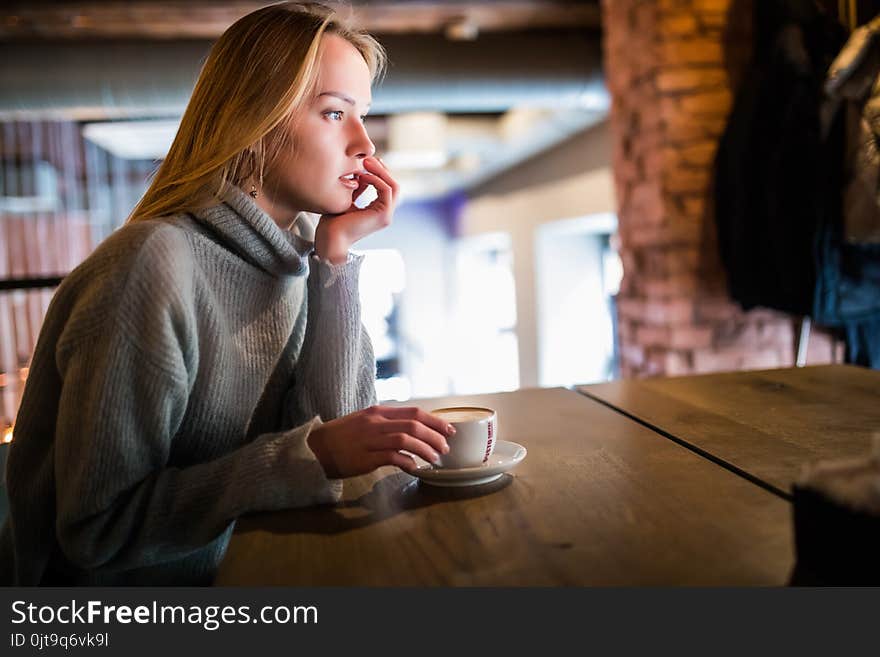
x=256 y=77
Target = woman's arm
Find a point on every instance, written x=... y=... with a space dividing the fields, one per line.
x=119 y=504
x=336 y=369
x=335 y=373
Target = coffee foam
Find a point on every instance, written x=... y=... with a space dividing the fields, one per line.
x=462 y=414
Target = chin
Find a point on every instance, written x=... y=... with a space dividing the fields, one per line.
x=335 y=207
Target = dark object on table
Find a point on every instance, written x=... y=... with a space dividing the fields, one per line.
x=837 y=525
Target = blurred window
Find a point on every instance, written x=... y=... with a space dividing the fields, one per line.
x=578 y=274
x=382 y=281
x=484 y=346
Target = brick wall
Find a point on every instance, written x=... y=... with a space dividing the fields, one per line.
x=671 y=66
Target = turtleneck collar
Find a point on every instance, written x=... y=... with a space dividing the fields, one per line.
x=255 y=236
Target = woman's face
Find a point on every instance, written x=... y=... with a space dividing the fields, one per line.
x=329 y=140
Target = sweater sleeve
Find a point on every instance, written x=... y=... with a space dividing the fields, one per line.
x=119 y=503
x=335 y=373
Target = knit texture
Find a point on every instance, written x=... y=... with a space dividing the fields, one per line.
x=178 y=374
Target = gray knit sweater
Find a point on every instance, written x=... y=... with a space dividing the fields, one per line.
x=177 y=376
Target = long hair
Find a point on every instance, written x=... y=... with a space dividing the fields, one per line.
x=257 y=76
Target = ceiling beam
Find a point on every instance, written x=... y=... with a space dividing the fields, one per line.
x=175 y=19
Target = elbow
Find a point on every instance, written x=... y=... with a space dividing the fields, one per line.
x=88 y=544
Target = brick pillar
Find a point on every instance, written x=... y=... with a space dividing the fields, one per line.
x=671 y=66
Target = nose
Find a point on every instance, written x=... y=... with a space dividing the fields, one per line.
x=360 y=145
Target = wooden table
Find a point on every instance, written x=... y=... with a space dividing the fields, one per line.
x=599 y=500
x=766 y=426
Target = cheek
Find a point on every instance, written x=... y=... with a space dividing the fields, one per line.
x=314 y=161
x=297 y=177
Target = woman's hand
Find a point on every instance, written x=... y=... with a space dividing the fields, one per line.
x=359 y=443
x=336 y=233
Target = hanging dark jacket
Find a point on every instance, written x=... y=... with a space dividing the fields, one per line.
x=848 y=259
x=769 y=168
x=853 y=88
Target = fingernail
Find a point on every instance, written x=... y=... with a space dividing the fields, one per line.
x=436 y=459
x=445 y=449
x=450 y=430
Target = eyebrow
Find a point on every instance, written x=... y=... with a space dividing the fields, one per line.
x=341 y=96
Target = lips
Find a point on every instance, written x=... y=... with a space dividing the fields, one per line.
x=350 y=180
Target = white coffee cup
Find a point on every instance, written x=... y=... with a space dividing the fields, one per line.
x=476 y=431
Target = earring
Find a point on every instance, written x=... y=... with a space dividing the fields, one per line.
x=254 y=191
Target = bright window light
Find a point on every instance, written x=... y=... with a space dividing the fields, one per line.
x=485 y=354
x=382 y=281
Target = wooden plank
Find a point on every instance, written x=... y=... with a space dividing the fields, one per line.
x=599 y=500
x=769 y=424
x=172 y=19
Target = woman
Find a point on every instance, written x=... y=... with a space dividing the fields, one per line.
x=205 y=361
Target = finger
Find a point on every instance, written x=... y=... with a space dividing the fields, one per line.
x=361 y=188
x=376 y=166
x=401 y=460
x=414 y=413
x=383 y=189
x=356 y=223
x=398 y=441
x=418 y=430
x=382 y=206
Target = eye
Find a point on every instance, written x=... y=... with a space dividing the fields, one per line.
x=334 y=115
x=363 y=118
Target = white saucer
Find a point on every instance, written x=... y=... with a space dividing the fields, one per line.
x=505 y=457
